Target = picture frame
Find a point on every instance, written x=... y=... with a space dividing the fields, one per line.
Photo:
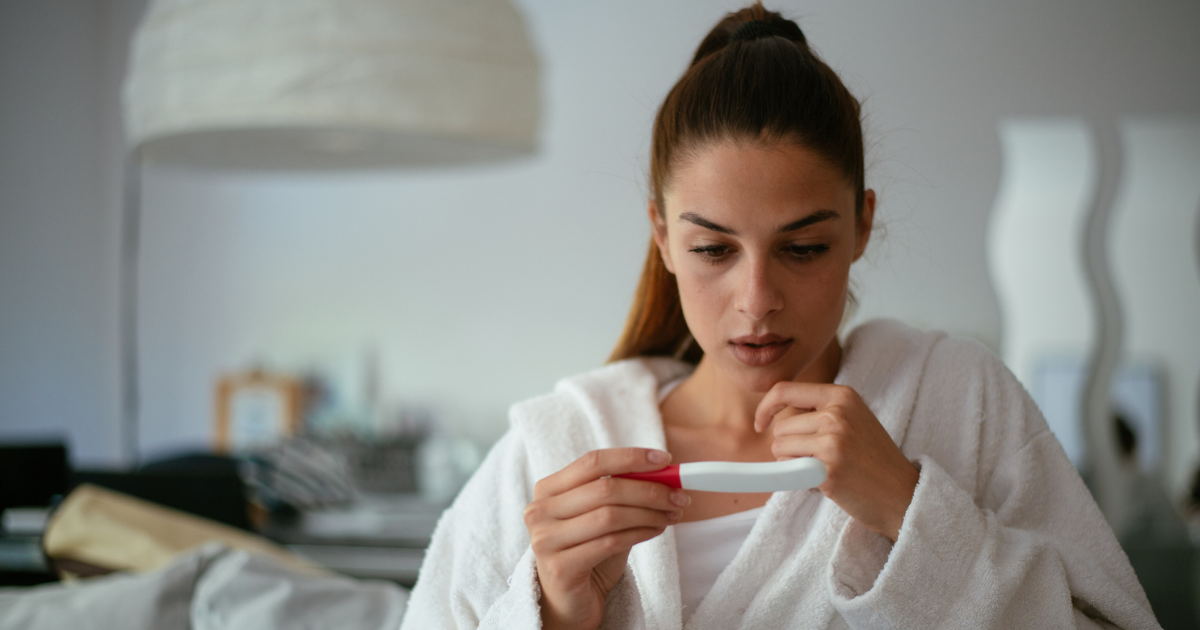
x=256 y=409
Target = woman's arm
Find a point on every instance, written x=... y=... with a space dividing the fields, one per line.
x=481 y=569
x=584 y=521
x=1000 y=533
x=867 y=475
x=1046 y=560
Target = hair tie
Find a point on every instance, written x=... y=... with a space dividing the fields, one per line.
x=760 y=28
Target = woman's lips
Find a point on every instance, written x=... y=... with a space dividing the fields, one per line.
x=759 y=350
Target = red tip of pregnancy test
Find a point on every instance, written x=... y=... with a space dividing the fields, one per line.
x=668 y=476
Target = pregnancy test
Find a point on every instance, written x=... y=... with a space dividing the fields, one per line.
x=791 y=474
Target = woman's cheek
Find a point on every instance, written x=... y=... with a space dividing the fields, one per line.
x=828 y=279
x=703 y=300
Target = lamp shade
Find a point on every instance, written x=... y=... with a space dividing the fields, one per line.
x=331 y=83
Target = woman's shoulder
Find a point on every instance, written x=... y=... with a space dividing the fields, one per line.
x=653 y=371
x=878 y=337
x=934 y=366
x=613 y=405
x=603 y=384
x=960 y=388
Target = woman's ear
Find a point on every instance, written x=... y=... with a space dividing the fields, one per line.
x=659 y=229
x=866 y=220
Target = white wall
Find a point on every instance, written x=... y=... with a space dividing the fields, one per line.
x=482 y=286
x=57 y=242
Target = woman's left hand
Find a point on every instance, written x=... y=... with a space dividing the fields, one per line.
x=867 y=475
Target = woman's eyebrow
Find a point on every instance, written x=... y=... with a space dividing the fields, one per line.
x=705 y=223
x=816 y=217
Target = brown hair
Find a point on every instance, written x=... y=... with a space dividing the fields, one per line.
x=764 y=85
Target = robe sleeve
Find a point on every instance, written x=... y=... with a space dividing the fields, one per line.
x=479 y=569
x=1018 y=542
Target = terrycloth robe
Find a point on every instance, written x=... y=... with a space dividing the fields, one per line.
x=1001 y=531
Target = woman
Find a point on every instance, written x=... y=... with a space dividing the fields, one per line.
x=948 y=503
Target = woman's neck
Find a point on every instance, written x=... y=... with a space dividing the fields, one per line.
x=709 y=398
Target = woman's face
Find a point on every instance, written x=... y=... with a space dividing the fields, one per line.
x=760 y=237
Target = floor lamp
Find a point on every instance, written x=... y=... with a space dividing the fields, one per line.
x=316 y=85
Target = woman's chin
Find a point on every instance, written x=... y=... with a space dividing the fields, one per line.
x=760 y=379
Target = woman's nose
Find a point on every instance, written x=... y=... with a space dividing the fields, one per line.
x=757 y=296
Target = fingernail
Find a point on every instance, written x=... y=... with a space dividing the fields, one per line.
x=658 y=457
x=680 y=498
x=674 y=516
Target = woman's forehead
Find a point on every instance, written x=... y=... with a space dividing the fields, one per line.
x=756 y=182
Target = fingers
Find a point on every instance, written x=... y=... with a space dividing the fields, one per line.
x=594 y=551
x=811 y=396
x=614 y=491
x=581 y=503
x=820 y=446
x=600 y=463
x=597 y=524
x=828 y=420
x=583 y=522
x=801 y=423
x=601 y=507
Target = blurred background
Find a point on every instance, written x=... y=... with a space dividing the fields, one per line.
x=1037 y=165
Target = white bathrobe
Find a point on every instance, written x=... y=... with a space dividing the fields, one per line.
x=1001 y=532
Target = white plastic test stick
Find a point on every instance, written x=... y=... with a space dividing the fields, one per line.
x=801 y=473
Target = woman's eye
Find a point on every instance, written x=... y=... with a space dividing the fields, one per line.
x=711 y=253
x=805 y=252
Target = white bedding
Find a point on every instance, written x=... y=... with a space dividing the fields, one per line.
x=210 y=588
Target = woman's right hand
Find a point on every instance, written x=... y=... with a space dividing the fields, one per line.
x=583 y=522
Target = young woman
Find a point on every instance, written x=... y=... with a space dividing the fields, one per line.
x=947 y=503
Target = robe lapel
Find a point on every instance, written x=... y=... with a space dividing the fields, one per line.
x=779 y=569
x=654 y=563
x=630 y=416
